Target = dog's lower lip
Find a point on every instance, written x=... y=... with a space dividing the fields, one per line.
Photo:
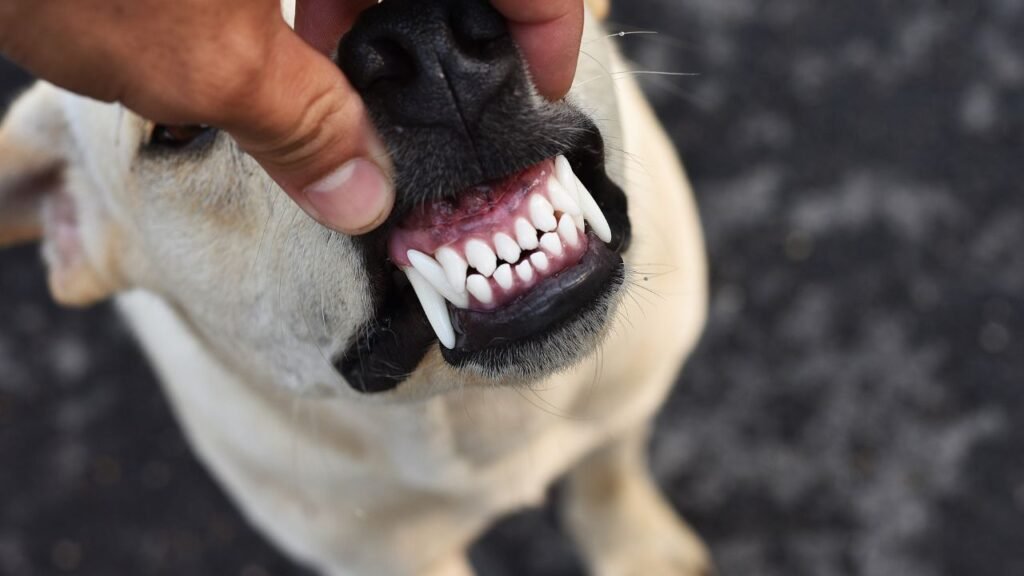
x=497 y=242
x=549 y=303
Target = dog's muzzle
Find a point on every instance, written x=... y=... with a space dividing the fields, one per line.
x=506 y=229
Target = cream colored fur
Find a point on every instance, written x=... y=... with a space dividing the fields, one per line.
x=237 y=298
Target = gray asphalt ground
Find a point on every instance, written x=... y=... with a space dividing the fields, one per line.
x=855 y=406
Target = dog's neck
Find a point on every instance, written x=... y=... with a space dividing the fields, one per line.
x=221 y=412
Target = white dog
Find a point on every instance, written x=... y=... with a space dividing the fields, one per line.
x=373 y=404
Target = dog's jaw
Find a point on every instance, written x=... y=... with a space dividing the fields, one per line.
x=521 y=334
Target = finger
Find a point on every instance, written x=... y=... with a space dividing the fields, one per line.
x=322 y=22
x=549 y=33
x=308 y=128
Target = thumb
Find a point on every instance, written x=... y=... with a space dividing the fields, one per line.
x=307 y=127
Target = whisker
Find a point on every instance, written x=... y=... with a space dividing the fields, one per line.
x=626 y=73
x=549 y=410
x=658 y=37
x=323 y=289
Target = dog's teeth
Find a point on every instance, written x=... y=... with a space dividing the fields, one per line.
x=588 y=206
x=480 y=288
x=434 y=307
x=433 y=272
x=561 y=199
x=481 y=257
x=506 y=247
x=566 y=177
x=503 y=276
x=551 y=243
x=526 y=234
x=542 y=213
x=568 y=231
x=525 y=271
x=540 y=261
x=593 y=214
x=454 y=267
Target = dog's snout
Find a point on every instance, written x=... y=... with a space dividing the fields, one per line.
x=429 y=62
x=450 y=96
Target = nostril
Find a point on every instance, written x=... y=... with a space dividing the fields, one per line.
x=383 y=59
x=477 y=29
x=397 y=64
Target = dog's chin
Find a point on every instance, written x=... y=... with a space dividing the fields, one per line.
x=513 y=279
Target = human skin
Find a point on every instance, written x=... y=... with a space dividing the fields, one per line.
x=236 y=65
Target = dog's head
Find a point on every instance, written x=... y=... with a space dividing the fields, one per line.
x=501 y=262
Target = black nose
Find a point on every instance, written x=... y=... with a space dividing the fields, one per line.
x=449 y=94
x=430 y=62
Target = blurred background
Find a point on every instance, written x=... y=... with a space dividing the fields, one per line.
x=855 y=407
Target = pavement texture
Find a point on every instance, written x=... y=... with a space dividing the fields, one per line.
x=854 y=407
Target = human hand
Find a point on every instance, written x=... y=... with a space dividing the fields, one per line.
x=236 y=65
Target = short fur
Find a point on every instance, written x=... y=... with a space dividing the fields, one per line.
x=239 y=299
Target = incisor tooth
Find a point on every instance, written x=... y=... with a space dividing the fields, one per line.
x=480 y=288
x=454 y=267
x=550 y=242
x=561 y=199
x=433 y=272
x=524 y=271
x=433 y=306
x=540 y=261
x=506 y=247
x=481 y=257
x=526 y=234
x=568 y=231
x=542 y=213
x=503 y=276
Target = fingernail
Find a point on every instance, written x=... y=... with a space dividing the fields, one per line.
x=353 y=199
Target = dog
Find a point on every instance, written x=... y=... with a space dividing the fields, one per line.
x=372 y=404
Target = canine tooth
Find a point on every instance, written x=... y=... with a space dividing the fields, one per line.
x=561 y=199
x=524 y=271
x=588 y=206
x=568 y=231
x=540 y=261
x=542 y=213
x=481 y=257
x=434 y=307
x=566 y=177
x=593 y=214
x=433 y=272
x=454 y=267
x=550 y=242
x=506 y=247
x=503 y=276
x=526 y=234
x=480 y=288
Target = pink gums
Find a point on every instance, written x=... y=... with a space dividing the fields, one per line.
x=479 y=213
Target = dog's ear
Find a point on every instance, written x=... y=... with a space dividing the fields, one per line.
x=34 y=202
x=32 y=138
x=599 y=8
